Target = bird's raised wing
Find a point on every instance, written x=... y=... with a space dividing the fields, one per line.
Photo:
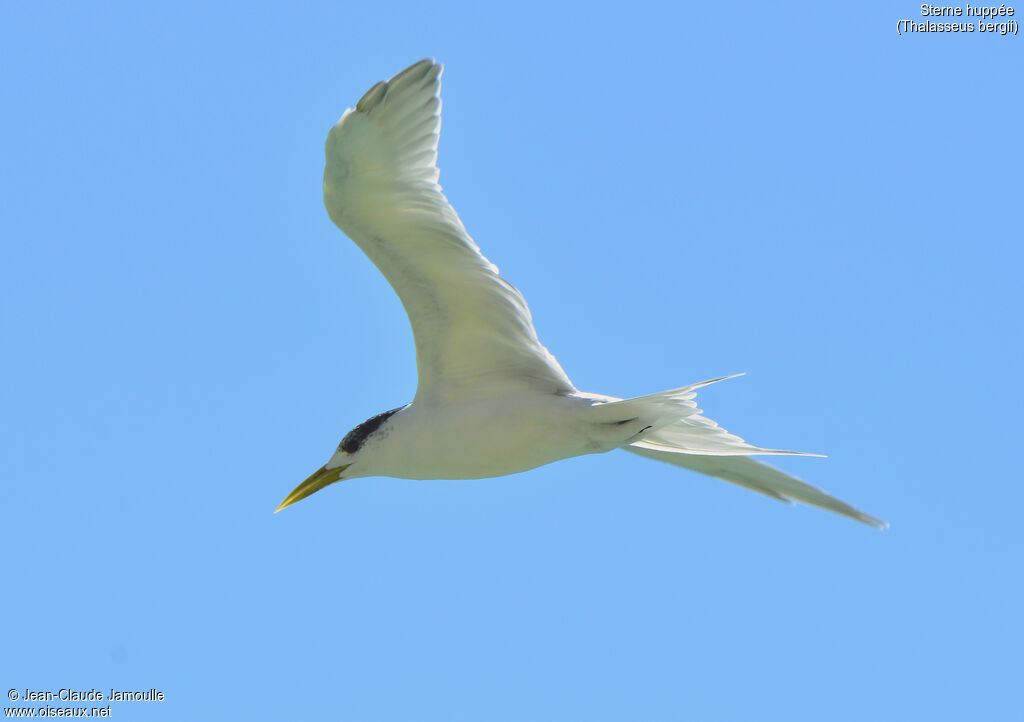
x=473 y=330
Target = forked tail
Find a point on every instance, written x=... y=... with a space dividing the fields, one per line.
x=670 y=421
x=672 y=429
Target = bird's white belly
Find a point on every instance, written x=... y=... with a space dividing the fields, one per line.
x=483 y=438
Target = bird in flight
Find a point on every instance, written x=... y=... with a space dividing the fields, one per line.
x=491 y=399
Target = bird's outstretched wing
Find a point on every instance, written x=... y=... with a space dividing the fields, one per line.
x=760 y=477
x=473 y=331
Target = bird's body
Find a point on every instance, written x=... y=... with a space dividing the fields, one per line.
x=491 y=399
x=480 y=438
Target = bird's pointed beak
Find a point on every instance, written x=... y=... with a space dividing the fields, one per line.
x=317 y=480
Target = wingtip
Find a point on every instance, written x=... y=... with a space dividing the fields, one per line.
x=841 y=507
x=871 y=521
x=422 y=71
x=427 y=69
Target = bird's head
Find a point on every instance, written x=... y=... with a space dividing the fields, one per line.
x=340 y=466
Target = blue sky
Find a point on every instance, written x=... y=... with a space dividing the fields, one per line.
x=681 y=192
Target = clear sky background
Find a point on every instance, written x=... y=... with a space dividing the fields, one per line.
x=681 y=192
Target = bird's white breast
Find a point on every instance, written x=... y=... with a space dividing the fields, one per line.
x=478 y=439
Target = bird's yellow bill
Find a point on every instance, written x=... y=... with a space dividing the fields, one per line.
x=317 y=480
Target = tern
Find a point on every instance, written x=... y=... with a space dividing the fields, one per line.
x=491 y=400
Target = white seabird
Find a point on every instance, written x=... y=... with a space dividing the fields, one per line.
x=491 y=399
